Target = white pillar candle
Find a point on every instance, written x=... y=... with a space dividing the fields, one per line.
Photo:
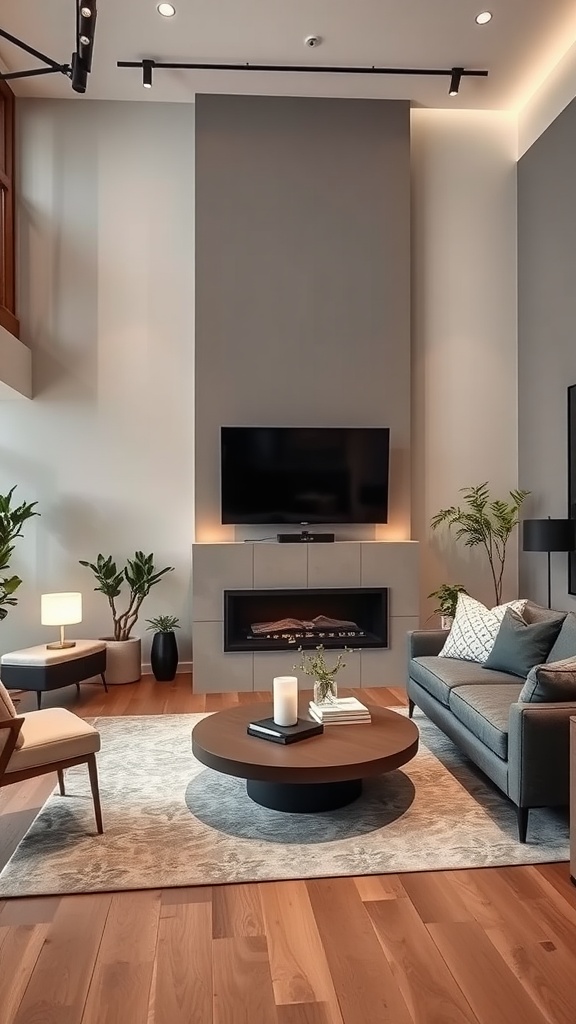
x=285 y=689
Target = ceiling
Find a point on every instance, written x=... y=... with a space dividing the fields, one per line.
x=521 y=44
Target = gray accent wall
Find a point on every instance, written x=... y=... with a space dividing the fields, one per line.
x=547 y=337
x=302 y=278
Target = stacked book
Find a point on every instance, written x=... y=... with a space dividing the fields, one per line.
x=340 y=711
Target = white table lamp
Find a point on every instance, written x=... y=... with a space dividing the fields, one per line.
x=60 y=610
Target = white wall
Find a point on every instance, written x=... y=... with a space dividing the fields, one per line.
x=107 y=275
x=106 y=280
x=464 y=327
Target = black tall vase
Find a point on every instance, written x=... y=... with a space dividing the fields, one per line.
x=164 y=656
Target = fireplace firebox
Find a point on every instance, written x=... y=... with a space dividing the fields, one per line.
x=280 y=620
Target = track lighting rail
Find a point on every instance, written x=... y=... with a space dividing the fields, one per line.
x=455 y=74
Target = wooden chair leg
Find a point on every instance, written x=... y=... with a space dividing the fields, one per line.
x=39 y=699
x=410 y=708
x=103 y=677
x=93 y=773
x=61 y=782
x=77 y=687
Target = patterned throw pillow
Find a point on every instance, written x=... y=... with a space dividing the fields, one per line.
x=475 y=629
x=549 y=683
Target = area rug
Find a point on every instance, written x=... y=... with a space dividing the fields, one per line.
x=169 y=821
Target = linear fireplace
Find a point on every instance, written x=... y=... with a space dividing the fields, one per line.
x=280 y=620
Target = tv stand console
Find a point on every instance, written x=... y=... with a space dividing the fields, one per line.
x=249 y=565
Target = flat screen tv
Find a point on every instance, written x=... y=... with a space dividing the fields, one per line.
x=304 y=475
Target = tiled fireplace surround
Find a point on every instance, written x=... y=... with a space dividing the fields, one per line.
x=261 y=566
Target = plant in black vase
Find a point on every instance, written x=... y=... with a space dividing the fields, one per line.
x=164 y=650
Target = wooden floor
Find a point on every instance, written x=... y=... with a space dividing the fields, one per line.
x=492 y=946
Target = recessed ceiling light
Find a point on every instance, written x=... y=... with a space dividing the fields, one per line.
x=481 y=19
x=166 y=10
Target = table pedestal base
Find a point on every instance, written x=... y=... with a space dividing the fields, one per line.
x=304 y=798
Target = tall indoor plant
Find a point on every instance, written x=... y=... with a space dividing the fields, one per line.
x=486 y=522
x=124 y=656
x=12 y=519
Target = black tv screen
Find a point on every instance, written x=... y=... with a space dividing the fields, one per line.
x=304 y=474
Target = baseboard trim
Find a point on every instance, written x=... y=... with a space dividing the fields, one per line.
x=183 y=668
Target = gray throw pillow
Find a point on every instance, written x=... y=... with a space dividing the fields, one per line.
x=533 y=612
x=565 y=645
x=519 y=645
x=550 y=683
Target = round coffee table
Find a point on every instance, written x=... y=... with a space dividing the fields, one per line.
x=317 y=774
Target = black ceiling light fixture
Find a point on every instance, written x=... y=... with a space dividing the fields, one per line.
x=81 y=61
x=455 y=80
x=147 y=66
x=454 y=74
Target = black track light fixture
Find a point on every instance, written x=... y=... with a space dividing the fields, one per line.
x=82 y=57
x=455 y=81
x=454 y=74
x=147 y=68
x=81 y=61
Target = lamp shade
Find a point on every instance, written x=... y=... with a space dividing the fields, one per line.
x=549 y=534
x=60 y=609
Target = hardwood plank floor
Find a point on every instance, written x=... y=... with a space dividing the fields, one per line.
x=490 y=946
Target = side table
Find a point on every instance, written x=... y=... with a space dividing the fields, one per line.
x=41 y=668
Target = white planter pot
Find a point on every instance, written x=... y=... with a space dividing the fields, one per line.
x=123 y=660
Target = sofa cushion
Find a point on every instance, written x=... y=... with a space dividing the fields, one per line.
x=475 y=628
x=565 y=644
x=438 y=676
x=485 y=711
x=538 y=613
x=520 y=645
x=547 y=684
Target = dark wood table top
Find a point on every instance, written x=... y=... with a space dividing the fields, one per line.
x=342 y=752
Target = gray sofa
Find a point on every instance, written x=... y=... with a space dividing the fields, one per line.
x=523 y=748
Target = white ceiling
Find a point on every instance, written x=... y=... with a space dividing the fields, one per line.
x=518 y=47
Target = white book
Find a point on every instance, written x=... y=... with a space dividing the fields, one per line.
x=345 y=704
x=340 y=721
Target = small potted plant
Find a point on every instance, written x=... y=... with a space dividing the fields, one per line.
x=164 y=650
x=447 y=597
x=314 y=665
x=124 y=654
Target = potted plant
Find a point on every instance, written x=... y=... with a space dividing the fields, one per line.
x=124 y=656
x=164 y=650
x=324 y=676
x=484 y=521
x=447 y=597
x=12 y=520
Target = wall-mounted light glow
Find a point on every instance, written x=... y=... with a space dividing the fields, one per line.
x=166 y=10
x=484 y=17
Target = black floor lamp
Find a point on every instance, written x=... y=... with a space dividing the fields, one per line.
x=549 y=535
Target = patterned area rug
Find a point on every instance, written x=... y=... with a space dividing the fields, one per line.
x=169 y=821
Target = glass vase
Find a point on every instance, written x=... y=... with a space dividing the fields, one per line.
x=325 y=691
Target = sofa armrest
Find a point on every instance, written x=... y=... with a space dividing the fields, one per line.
x=538 y=753
x=422 y=642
